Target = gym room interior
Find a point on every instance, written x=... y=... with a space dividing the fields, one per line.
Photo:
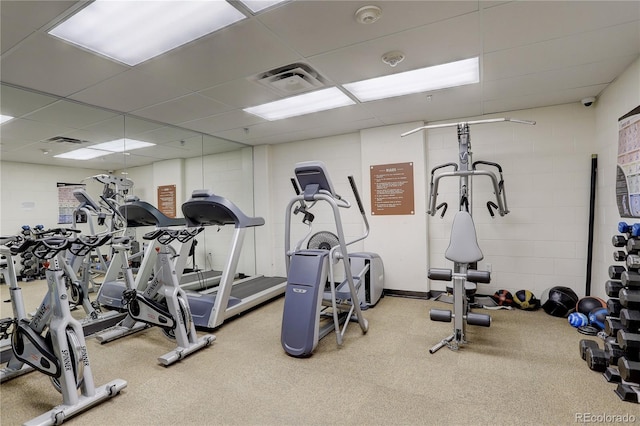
x=553 y=100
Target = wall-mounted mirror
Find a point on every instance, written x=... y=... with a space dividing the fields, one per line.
x=44 y=126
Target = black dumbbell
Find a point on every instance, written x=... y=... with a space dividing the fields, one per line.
x=629 y=298
x=614 y=352
x=619 y=256
x=630 y=319
x=614 y=307
x=611 y=326
x=633 y=261
x=629 y=370
x=630 y=279
x=587 y=343
x=615 y=271
x=619 y=241
x=633 y=245
x=597 y=359
x=628 y=341
x=613 y=287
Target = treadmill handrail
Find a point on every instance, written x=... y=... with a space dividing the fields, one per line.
x=205 y=209
x=140 y=213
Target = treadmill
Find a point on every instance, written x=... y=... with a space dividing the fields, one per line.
x=210 y=308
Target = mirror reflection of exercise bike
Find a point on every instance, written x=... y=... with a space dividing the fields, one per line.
x=463 y=248
x=315 y=304
x=52 y=341
x=163 y=303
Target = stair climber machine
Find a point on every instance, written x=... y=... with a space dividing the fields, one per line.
x=314 y=303
x=231 y=297
x=52 y=341
x=463 y=248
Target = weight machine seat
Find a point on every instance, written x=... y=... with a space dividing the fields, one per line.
x=205 y=208
x=463 y=244
x=140 y=213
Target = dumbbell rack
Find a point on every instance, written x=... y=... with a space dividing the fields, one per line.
x=619 y=361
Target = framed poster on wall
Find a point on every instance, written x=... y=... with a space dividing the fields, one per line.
x=628 y=165
x=392 y=189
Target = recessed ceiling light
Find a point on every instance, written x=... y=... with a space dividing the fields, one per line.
x=5 y=118
x=436 y=77
x=307 y=103
x=122 y=145
x=83 y=154
x=135 y=31
x=105 y=148
x=258 y=5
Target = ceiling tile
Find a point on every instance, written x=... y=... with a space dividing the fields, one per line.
x=187 y=107
x=52 y=66
x=115 y=93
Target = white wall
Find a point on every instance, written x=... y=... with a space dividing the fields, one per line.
x=29 y=194
x=619 y=98
x=541 y=243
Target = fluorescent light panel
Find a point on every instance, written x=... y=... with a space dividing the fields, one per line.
x=5 y=118
x=258 y=5
x=436 y=77
x=306 y=103
x=105 y=148
x=135 y=31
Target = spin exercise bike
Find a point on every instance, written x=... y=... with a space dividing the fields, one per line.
x=10 y=246
x=463 y=248
x=52 y=342
x=163 y=303
x=311 y=294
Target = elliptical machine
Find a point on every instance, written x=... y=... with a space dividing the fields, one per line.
x=311 y=293
x=52 y=342
x=463 y=248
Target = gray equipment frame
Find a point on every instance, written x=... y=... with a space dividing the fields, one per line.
x=464 y=170
x=343 y=298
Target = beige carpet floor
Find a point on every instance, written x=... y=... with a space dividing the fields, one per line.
x=523 y=370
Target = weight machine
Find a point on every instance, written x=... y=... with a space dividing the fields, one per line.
x=463 y=248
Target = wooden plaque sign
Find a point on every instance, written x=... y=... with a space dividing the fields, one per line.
x=392 y=189
x=167 y=200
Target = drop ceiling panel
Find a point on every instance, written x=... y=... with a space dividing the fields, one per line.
x=312 y=28
x=243 y=49
x=241 y=93
x=116 y=93
x=218 y=123
x=526 y=22
x=193 y=106
x=542 y=99
x=52 y=66
x=434 y=44
x=31 y=131
x=70 y=114
x=20 y=18
x=585 y=48
x=549 y=81
x=17 y=102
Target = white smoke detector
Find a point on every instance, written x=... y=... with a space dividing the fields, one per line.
x=393 y=58
x=368 y=14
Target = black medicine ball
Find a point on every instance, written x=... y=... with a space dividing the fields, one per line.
x=562 y=301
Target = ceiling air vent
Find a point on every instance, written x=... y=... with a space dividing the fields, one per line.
x=65 y=140
x=291 y=79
